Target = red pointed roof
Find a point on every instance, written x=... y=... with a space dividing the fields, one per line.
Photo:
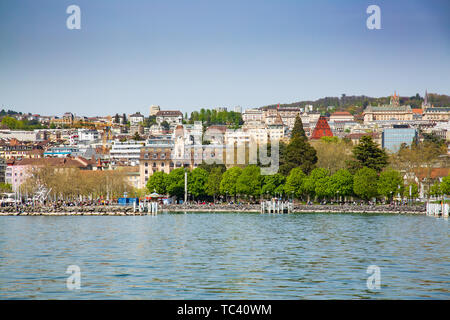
x=322 y=129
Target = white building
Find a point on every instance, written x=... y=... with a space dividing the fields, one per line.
x=88 y=135
x=136 y=118
x=129 y=151
x=173 y=118
x=253 y=115
x=154 y=110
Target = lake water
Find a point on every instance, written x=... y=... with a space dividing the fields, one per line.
x=225 y=256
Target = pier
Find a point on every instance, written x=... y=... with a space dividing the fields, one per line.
x=276 y=206
x=438 y=209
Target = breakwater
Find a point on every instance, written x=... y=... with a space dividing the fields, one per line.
x=115 y=210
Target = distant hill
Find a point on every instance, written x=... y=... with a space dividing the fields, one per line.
x=356 y=104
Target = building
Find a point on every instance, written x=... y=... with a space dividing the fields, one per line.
x=392 y=111
x=342 y=116
x=14 y=149
x=436 y=114
x=154 y=110
x=356 y=137
x=88 y=135
x=127 y=151
x=393 y=138
x=155 y=157
x=136 y=118
x=20 y=135
x=253 y=115
x=322 y=129
x=18 y=171
x=2 y=170
x=173 y=118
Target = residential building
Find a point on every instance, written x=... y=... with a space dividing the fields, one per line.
x=173 y=118
x=154 y=110
x=342 y=116
x=128 y=151
x=436 y=114
x=136 y=118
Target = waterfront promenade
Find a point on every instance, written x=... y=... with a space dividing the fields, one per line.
x=116 y=210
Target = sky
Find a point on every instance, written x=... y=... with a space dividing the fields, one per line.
x=192 y=54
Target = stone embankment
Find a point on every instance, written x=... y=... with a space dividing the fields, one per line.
x=113 y=210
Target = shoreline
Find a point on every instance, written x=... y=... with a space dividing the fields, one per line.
x=128 y=211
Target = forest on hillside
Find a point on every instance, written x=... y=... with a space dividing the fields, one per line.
x=356 y=104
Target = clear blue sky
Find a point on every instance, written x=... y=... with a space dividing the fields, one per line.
x=191 y=54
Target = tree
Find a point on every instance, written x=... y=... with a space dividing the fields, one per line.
x=389 y=183
x=249 y=182
x=213 y=183
x=445 y=185
x=175 y=182
x=137 y=137
x=341 y=183
x=11 y=123
x=297 y=130
x=332 y=153
x=368 y=154
x=5 y=187
x=228 y=182
x=323 y=188
x=312 y=181
x=365 y=183
x=273 y=184
x=414 y=191
x=124 y=119
x=157 y=182
x=294 y=182
x=116 y=118
x=197 y=182
x=298 y=153
x=435 y=190
x=165 y=125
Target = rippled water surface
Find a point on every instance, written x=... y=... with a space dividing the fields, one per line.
x=225 y=256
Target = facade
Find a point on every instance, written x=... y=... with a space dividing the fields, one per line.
x=129 y=151
x=173 y=118
x=136 y=118
x=253 y=115
x=19 y=135
x=154 y=110
x=153 y=158
x=342 y=116
x=393 y=138
x=88 y=135
x=436 y=114
x=14 y=149
x=393 y=111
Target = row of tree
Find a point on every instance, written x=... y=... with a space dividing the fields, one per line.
x=320 y=184
x=73 y=183
x=211 y=117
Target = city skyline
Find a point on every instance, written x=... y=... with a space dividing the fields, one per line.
x=127 y=57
